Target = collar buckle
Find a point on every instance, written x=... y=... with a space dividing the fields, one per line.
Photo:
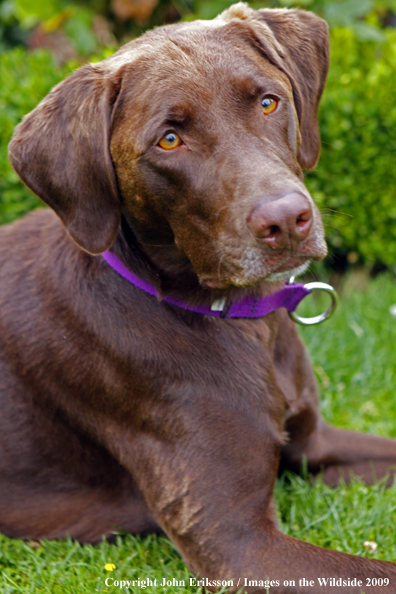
x=218 y=304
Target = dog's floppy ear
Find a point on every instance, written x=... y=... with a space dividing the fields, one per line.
x=305 y=39
x=296 y=42
x=61 y=152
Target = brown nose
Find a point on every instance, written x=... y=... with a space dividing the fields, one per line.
x=281 y=223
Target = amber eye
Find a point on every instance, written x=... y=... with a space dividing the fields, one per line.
x=269 y=104
x=170 y=141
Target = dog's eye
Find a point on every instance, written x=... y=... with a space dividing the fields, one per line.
x=170 y=141
x=269 y=104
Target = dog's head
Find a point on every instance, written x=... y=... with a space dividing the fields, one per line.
x=196 y=133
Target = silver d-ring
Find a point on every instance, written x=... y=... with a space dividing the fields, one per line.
x=317 y=286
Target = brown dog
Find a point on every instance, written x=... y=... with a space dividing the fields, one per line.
x=183 y=154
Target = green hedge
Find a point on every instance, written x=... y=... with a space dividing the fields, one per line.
x=25 y=79
x=356 y=175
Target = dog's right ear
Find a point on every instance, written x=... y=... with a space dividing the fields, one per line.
x=61 y=152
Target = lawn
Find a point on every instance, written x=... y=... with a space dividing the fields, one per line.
x=355 y=364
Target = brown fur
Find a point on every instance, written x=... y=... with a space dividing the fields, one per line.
x=122 y=410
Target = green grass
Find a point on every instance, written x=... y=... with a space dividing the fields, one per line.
x=355 y=363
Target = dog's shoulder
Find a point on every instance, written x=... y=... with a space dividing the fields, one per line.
x=25 y=233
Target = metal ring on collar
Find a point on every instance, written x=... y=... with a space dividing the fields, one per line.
x=316 y=286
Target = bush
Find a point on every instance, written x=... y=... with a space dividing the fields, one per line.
x=26 y=79
x=356 y=175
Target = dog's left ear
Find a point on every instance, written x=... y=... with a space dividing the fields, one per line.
x=61 y=151
x=305 y=39
x=296 y=42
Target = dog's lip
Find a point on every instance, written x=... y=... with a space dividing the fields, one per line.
x=284 y=271
x=294 y=262
x=290 y=272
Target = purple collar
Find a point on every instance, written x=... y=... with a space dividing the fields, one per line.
x=250 y=307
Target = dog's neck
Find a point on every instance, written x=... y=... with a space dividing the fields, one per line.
x=167 y=268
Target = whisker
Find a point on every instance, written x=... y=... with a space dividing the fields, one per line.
x=216 y=214
x=336 y=212
x=218 y=269
x=328 y=226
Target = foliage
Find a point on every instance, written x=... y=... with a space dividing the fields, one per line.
x=356 y=371
x=31 y=23
x=356 y=175
x=11 y=33
x=26 y=79
x=75 y=19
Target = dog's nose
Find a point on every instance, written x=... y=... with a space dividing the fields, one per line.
x=283 y=222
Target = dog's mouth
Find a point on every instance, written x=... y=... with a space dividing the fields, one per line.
x=286 y=274
x=245 y=282
x=254 y=275
x=246 y=264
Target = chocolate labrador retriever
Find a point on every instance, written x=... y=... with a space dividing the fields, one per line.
x=179 y=157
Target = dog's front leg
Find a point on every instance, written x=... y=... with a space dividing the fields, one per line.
x=207 y=472
x=336 y=452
